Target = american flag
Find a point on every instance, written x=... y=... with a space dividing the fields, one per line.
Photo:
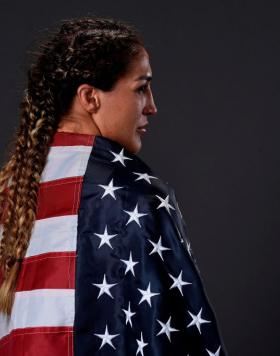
x=109 y=269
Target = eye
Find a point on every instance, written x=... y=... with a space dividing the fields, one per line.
x=143 y=88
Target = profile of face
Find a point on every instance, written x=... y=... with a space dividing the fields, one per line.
x=119 y=114
x=125 y=109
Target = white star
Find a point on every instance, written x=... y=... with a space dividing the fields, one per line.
x=120 y=157
x=146 y=295
x=104 y=287
x=165 y=203
x=189 y=248
x=197 y=320
x=105 y=238
x=129 y=264
x=128 y=314
x=109 y=189
x=158 y=247
x=178 y=282
x=134 y=215
x=144 y=176
x=106 y=338
x=217 y=353
x=141 y=345
x=166 y=328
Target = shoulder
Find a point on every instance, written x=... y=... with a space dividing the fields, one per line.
x=120 y=178
x=120 y=167
x=127 y=178
x=126 y=191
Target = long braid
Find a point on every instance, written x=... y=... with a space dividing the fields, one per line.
x=29 y=157
x=97 y=51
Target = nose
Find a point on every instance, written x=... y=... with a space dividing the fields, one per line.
x=150 y=107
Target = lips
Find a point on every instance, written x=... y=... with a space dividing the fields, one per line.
x=142 y=129
x=143 y=126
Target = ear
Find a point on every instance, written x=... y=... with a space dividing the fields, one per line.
x=88 y=98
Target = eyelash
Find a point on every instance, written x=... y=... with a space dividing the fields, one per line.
x=143 y=88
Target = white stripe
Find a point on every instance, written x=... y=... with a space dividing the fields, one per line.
x=56 y=234
x=4 y=325
x=66 y=161
x=41 y=307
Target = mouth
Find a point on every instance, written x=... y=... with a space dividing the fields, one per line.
x=142 y=129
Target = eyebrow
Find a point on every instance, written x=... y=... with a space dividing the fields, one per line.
x=145 y=77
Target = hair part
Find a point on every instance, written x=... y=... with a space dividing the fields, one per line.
x=92 y=50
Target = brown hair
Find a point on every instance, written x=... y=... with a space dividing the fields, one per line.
x=92 y=50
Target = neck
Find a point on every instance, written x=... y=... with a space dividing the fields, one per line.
x=83 y=126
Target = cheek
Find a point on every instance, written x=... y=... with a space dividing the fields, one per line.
x=123 y=112
x=129 y=112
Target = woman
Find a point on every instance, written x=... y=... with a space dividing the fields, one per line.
x=94 y=256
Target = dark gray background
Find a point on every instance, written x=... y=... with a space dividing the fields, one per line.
x=215 y=138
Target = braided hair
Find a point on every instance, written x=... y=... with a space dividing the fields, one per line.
x=92 y=50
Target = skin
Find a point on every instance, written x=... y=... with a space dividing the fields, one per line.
x=116 y=114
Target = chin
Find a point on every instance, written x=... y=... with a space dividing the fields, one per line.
x=134 y=146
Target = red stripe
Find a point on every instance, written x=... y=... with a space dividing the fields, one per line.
x=53 y=270
x=43 y=341
x=59 y=197
x=61 y=138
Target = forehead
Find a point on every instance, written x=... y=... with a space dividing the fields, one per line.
x=140 y=66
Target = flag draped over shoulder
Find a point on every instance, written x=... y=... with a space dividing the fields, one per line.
x=109 y=269
x=138 y=291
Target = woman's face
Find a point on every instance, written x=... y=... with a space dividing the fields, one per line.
x=127 y=107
